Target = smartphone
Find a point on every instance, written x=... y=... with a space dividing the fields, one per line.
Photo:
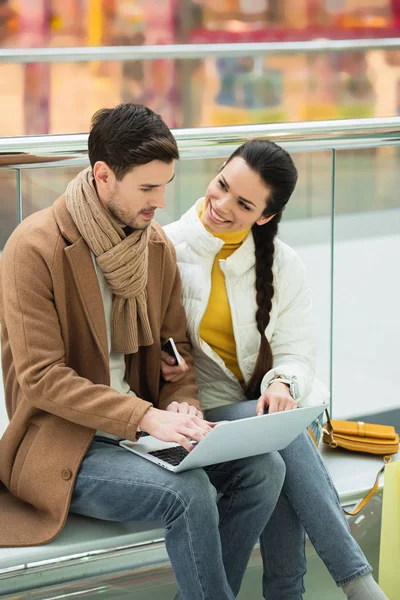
x=170 y=348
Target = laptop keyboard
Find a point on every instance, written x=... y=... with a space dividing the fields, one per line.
x=173 y=456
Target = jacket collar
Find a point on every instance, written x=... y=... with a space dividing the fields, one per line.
x=197 y=237
x=64 y=221
x=203 y=243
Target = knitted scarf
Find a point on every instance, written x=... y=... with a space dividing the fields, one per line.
x=122 y=259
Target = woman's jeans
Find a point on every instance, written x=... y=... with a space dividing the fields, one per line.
x=209 y=543
x=308 y=503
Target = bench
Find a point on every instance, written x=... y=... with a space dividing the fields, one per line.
x=92 y=548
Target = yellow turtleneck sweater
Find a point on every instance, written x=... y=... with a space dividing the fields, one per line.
x=216 y=327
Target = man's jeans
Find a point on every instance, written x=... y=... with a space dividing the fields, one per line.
x=308 y=503
x=209 y=543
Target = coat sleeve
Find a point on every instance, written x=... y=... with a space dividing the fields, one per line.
x=28 y=312
x=174 y=325
x=292 y=341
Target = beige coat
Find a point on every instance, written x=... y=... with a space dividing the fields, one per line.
x=56 y=367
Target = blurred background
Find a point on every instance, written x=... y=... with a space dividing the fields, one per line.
x=41 y=98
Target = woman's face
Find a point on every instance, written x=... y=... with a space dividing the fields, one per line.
x=235 y=199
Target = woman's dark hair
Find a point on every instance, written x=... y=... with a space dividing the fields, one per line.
x=277 y=170
x=130 y=135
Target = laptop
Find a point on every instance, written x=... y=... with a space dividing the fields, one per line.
x=228 y=440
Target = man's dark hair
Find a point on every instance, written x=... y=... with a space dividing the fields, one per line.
x=130 y=135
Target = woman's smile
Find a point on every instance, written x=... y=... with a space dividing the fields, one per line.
x=214 y=215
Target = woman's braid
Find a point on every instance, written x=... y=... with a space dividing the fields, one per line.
x=276 y=169
x=264 y=237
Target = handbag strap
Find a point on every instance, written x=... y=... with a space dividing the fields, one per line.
x=328 y=419
x=368 y=496
x=371 y=492
x=310 y=431
x=329 y=430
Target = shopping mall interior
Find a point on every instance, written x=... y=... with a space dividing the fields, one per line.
x=60 y=97
x=319 y=77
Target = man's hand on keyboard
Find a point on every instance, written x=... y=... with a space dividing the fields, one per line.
x=185 y=409
x=171 y=426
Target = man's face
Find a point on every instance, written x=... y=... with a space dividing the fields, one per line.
x=133 y=200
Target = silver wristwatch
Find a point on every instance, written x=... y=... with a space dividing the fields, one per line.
x=290 y=381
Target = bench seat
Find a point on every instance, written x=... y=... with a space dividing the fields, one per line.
x=87 y=547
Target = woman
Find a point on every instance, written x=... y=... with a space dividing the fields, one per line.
x=248 y=310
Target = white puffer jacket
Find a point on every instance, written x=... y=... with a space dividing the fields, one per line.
x=290 y=329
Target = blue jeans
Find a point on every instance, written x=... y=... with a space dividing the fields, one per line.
x=209 y=543
x=308 y=503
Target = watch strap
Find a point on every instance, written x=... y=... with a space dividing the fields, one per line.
x=290 y=381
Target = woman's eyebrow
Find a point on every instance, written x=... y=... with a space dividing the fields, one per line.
x=240 y=197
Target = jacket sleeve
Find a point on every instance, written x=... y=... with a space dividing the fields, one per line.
x=174 y=325
x=292 y=341
x=38 y=352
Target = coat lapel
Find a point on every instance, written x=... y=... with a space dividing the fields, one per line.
x=84 y=274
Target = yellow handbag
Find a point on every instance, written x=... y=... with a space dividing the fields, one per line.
x=361 y=437
x=358 y=436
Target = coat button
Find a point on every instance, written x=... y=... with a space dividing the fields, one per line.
x=66 y=474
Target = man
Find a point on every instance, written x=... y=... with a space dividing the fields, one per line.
x=89 y=290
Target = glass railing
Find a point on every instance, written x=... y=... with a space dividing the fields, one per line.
x=343 y=220
x=56 y=90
